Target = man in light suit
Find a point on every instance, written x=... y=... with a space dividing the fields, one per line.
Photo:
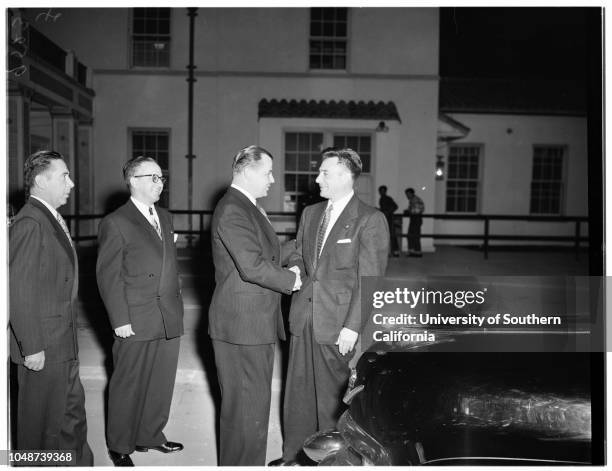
x=245 y=318
x=338 y=242
x=138 y=280
x=43 y=273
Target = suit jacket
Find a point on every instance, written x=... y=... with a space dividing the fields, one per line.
x=43 y=279
x=357 y=245
x=245 y=307
x=137 y=274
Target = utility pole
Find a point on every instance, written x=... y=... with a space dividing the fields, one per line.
x=191 y=13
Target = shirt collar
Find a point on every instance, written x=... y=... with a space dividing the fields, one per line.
x=342 y=202
x=245 y=193
x=47 y=205
x=143 y=208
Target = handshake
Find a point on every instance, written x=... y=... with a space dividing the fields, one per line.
x=298 y=279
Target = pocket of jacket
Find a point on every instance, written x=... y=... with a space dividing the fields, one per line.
x=343 y=297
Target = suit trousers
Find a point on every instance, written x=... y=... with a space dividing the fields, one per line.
x=140 y=392
x=317 y=377
x=51 y=411
x=245 y=379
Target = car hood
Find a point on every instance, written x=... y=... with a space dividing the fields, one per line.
x=530 y=405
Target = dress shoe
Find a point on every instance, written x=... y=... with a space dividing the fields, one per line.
x=282 y=462
x=120 y=459
x=168 y=447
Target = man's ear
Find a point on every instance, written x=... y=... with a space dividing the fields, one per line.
x=40 y=180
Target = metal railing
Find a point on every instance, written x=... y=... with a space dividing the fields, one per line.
x=201 y=227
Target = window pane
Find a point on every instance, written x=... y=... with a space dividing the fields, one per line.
x=289 y=182
x=462 y=179
x=151 y=37
x=302 y=183
x=290 y=162
x=328 y=23
x=290 y=141
x=547 y=180
x=304 y=162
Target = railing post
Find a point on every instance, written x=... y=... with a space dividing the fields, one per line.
x=201 y=226
x=577 y=239
x=486 y=238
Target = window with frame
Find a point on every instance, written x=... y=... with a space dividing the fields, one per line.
x=547 y=180
x=302 y=160
x=462 y=182
x=151 y=37
x=328 y=38
x=156 y=144
x=302 y=157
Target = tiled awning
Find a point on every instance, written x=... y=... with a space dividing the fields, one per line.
x=328 y=109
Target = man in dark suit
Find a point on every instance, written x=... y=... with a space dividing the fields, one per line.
x=43 y=273
x=245 y=319
x=339 y=241
x=138 y=280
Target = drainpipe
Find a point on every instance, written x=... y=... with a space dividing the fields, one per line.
x=191 y=13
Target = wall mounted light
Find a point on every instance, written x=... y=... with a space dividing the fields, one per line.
x=439 y=167
x=382 y=127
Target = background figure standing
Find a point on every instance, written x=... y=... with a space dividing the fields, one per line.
x=415 y=210
x=43 y=279
x=338 y=242
x=388 y=207
x=245 y=317
x=138 y=280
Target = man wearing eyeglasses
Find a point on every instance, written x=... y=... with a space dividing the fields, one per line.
x=138 y=280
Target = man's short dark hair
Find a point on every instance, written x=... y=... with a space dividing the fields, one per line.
x=247 y=156
x=129 y=169
x=347 y=157
x=37 y=163
x=409 y=190
x=382 y=188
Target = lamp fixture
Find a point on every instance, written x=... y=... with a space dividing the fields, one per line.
x=439 y=167
x=382 y=127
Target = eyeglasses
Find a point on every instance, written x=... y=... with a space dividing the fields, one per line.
x=154 y=177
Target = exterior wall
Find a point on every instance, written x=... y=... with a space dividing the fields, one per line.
x=506 y=166
x=225 y=114
x=392 y=56
x=381 y=40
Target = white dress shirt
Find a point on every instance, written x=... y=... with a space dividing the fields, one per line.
x=336 y=211
x=245 y=193
x=144 y=209
x=47 y=205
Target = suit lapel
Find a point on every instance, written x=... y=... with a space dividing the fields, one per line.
x=343 y=223
x=141 y=220
x=264 y=224
x=59 y=233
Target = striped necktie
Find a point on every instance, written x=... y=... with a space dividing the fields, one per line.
x=62 y=223
x=154 y=223
x=323 y=229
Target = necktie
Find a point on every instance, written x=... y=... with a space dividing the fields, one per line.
x=62 y=223
x=263 y=211
x=323 y=229
x=154 y=223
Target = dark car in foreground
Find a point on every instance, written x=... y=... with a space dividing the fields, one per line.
x=446 y=404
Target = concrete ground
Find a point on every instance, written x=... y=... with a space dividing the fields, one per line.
x=194 y=406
